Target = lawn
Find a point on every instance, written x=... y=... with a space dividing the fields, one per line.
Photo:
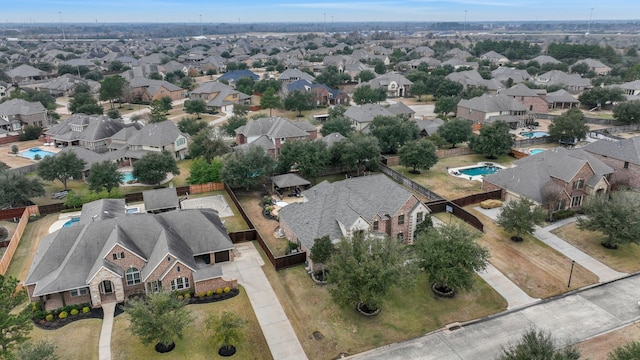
x=77 y=340
x=251 y=204
x=625 y=259
x=23 y=256
x=196 y=343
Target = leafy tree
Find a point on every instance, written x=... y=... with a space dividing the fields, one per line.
x=450 y=257
x=340 y=125
x=116 y=66
x=30 y=132
x=569 y=126
x=627 y=112
x=42 y=350
x=111 y=88
x=364 y=269
x=616 y=215
x=113 y=113
x=299 y=101
x=247 y=168
x=365 y=75
x=310 y=157
x=380 y=67
x=16 y=189
x=321 y=252
x=84 y=103
x=94 y=75
x=494 y=140
x=196 y=106
x=448 y=88
x=365 y=94
x=158 y=318
x=424 y=226
x=202 y=172
x=628 y=351
x=270 y=100
x=207 y=145
x=14 y=325
x=157 y=112
x=580 y=68
x=104 y=175
x=393 y=132
x=537 y=344
x=520 y=216
x=600 y=96
x=418 y=154
x=62 y=167
x=154 y=166
x=358 y=152
x=245 y=85
x=456 y=131
x=331 y=77
x=261 y=86
x=232 y=124
x=227 y=329
x=191 y=125
x=14 y=150
x=167 y=103
x=418 y=89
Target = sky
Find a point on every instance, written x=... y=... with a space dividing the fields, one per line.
x=311 y=11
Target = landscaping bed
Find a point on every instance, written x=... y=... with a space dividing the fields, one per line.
x=55 y=319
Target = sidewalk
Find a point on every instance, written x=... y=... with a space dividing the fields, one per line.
x=277 y=330
x=104 y=349
x=515 y=297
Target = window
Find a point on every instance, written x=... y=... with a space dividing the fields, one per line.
x=79 y=292
x=133 y=276
x=154 y=287
x=178 y=268
x=626 y=164
x=180 y=141
x=376 y=225
x=576 y=201
x=401 y=220
x=179 y=283
x=119 y=255
x=578 y=184
x=419 y=217
x=168 y=258
x=400 y=236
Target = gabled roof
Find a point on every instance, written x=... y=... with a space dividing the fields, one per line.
x=156 y=134
x=545 y=59
x=295 y=74
x=562 y=78
x=366 y=113
x=332 y=138
x=430 y=126
x=237 y=74
x=623 y=150
x=561 y=96
x=275 y=127
x=25 y=71
x=492 y=103
x=155 y=84
x=21 y=107
x=519 y=90
x=95 y=127
x=399 y=108
x=159 y=199
x=385 y=79
x=289 y=180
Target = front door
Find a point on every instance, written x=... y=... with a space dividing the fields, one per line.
x=106 y=287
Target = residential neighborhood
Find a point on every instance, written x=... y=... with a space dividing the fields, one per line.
x=402 y=193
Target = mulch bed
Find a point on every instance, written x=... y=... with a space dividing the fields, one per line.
x=214 y=297
x=57 y=323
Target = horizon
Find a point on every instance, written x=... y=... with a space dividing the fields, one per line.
x=305 y=11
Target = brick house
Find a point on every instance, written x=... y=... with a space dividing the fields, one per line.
x=482 y=108
x=623 y=156
x=16 y=113
x=219 y=96
x=373 y=204
x=533 y=100
x=110 y=255
x=576 y=174
x=148 y=90
x=272 y=132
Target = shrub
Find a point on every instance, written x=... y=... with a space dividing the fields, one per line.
x=14 y=149
x=74 y=312
x=63 y=315
x=227 y=289
x=202 y=294
x=187 y=295
x=37 y=157
x=49 y=317
x=86 y=309
x=180 y=297
x=563 y=214
x=266 y=200
x=209 y=293
x=219 y=291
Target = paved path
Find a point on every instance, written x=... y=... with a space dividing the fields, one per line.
x=277 y=330
x=581 y=315
x=104 y=350
x=515 y=297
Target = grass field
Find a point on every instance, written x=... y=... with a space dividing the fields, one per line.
x=77 y=340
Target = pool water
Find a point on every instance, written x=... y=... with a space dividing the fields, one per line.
x=127 y=176
x=70 y=222
x=31 y=153
x=480 y=170
x=534 y=134
x=535 y=151
x=132 y=210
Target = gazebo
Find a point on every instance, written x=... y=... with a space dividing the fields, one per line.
x=281 y=183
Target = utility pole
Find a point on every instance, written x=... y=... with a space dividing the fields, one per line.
x=201 y=30
x=590 y=17
x=61 y=28
x=464 y=27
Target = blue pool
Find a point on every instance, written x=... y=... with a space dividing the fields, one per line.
x=70 y=222
x=133 y=210
x=480 y=170
x=127 y=176
x=31 y=153
x=535 y=151
x=534 y=134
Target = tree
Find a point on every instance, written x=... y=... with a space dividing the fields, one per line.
x=270 y=100
x=448 y=88
x=551 y=196
x=494 y=140
x=321 y=253
x=196 y=106
x=310 y=157
x=247 y=168
x=365 y=75
x=62 y=167
x=299 y=101
x=358 y=152
x=14 y=325
x=364 y=269
x=245 y=85
x=232 y=124
x=450 y=256
x=616 y=215
x=157 y=112
x=340 y=125
x=30 y=132
x=16 y=189
x=520 y=216
x=599 y=96
x=14 y=149
x=393 y=132
x=331 y=77
x=113 y=113
x=380 y=67
x=202 y=172
x=191 y=125
x=627 y=112
x=227 y=330
x=418 y=89
x=628 y=351
x=154 y=166
x=104 y=175
x=418 y=154
x=42 y=350
x=537 y=344
x=112 y=88
x=569 y=126
x=365 y=94
x=207 y=145
x=84 y=103
x=116 y=66
x=158 y=318
x=456 y=131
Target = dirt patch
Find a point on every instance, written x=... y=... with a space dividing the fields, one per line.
x=19 y=266
x=267 y=227
x=14 y=161
x=599 y=347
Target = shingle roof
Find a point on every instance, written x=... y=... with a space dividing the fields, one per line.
x=156 y=134
x=21 y=107
x=159 y=199
x=492 y=103
x=623 y=150
x=275 y=127
x=289 y=180
x=561 y=95
x=366 y=112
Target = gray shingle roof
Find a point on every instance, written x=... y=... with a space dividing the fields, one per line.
x=21 y=107
x=275 y=127
x=366 y=112
x=289 y=180
x=159 y=199
x=492 y=103
x=623 y=150
x=156 y=134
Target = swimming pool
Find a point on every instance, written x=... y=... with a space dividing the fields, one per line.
x=71 y=222
x=475 y=172
x=534 y=134
x=535 y=151
x=127 y=176
x=133 y=210
x=31 y=153
x=480 y=170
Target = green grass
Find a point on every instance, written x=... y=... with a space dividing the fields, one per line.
x=23 y=256
x=77 y=340
x=185 y=170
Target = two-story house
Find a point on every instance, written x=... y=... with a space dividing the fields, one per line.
x=271 y=133
x=92 y=132
x=533 y=100
x=17 y=113
x=134 y=143
x=483 y=108
x=394 y=84
x=219 y=96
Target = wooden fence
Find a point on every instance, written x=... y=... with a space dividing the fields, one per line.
x=9 y=139
x=23 y=170
x=532 y=142
x=51 y=208
x=410 y=183
x=15 y=239
x=202 y=188
x=477 y=198
x=454 y=209
x=445 y=153
x=517 y=154
x=12 y=213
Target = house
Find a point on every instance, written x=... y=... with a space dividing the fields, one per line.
x=362 y=115
x=532 y=99
x=219 y=96
x=233 y=76
x=631 y=89
x=322 y=95
x=214 y=64
x=623 y=156
x=594 y=65
x=460 y=63
x=429 y=127
x=573 y=82
x=148 y=90
x=561 y=99
x=65 y=85
x=26 y=73
x=110 y=255
x=482 y=108
x=503 y=74
x=545 y=59
x=5 y=89
x=495 y=58
x=291 y=75
x=394 y=84
x=401 y=110
x=472 y=78
x=92 y=132
x=271 y=133
x=134 y=143
x=17 y=113
x=373 y=204
x=577 y=175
